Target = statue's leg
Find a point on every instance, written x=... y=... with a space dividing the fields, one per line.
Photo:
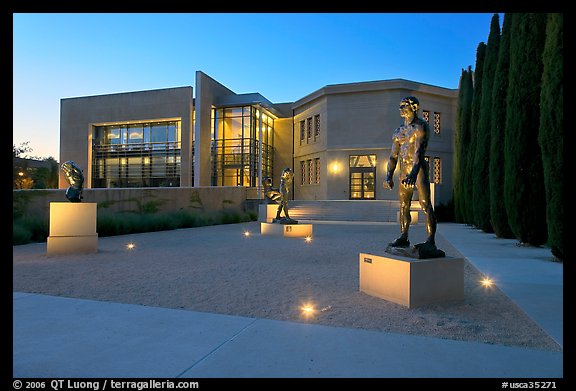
x=285 y=203
x=279 y=210
x=405 y=197
x=426 y=204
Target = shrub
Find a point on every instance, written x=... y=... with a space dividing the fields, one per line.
x=26 y=230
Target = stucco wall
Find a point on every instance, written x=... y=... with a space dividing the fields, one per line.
x=79 y=115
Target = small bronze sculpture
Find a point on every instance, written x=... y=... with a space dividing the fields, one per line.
x=280 y=195
x=409 y=143
x=75 y=178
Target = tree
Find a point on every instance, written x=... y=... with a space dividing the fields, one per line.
x=468 y=187
x=481 y=166
x=550 y=136
x=462 y=141
x=498 y=215
x=524 y=178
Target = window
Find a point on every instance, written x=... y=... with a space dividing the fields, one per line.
x=426 y=116
x=309 y=128
x=437 y=171
x=302 y=130
x=239 y=133
x=317 y=167
x=302 y=172
x=316 y=126
x=136 y=155
x=310 y=173
x=436 y=123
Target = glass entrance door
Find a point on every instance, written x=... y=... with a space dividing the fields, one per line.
x=362 y=184
x=362 y=177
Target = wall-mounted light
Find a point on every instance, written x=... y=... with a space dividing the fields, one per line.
x=335 y=167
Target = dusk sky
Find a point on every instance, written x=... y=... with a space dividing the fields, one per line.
x=280 y=55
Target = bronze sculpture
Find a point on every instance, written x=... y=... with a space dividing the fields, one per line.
x=409 y=142
x=280 y=195
x=75 y=178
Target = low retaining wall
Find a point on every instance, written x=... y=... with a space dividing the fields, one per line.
x=149 y=200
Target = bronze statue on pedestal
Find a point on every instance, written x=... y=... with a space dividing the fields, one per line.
x=409 y=143
x=280 y=195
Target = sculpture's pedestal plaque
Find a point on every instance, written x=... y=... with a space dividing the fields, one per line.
x=72 y=228
x=412 y=282
x=267 y=212
x=286 y=230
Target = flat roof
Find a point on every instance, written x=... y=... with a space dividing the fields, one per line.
x=377 y=85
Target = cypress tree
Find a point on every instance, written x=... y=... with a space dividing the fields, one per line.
x=462 y=141
x=550 y=135
x=498 y=215
x=524 y=179
x=471 y=150
x=480 y=168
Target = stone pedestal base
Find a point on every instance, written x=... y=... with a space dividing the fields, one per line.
x=72 y=228
x=267 y=212
x=412 y=282
x=286 y=230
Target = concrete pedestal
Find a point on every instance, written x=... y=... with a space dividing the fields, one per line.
x=412 y=282
x=286 y=230
x=267 y=212
x=72 y=228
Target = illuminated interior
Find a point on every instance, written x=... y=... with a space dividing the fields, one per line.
x=236 y=145
x=143 y=154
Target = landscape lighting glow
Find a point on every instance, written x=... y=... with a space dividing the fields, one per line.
x=307 y=309
x=130 y=246
x=486 y=282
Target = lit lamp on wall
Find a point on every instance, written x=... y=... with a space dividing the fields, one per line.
x=335 y=167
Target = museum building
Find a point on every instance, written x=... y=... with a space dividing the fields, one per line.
x=337 y=139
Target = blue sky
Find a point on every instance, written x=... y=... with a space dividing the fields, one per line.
x=280 y=55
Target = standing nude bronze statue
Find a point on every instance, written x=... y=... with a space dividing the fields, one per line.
x=280 y=195
x=409 y=143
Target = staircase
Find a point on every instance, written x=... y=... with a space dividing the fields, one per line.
x=347 y=210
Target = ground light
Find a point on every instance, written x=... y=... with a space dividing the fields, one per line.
x=130 y=246
x=308 y=239
x=486 y=282
x=246 y=233
x=307 y=310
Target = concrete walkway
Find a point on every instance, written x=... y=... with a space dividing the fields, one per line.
x=60 y=337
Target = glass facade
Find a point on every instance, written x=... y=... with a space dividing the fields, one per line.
x=136 y=155
x=236 y=146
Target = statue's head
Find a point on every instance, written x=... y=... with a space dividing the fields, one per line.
x=287 y=173
x=267 y=182
x=73 y=174
x=410 y=102
x=75 y=178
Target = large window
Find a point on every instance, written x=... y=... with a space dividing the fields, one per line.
x=136 y=155
x=238 y=133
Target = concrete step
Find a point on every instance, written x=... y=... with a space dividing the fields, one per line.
x=346 y=210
